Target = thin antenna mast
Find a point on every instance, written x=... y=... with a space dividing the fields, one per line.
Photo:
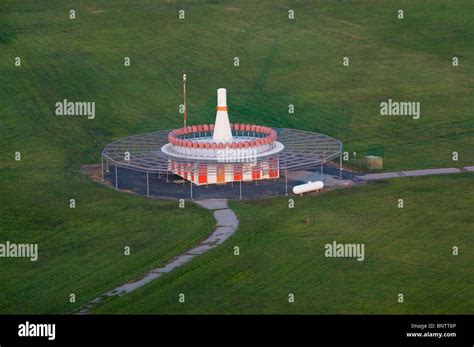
x=184 y=96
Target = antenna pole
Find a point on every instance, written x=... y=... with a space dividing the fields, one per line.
x=184 y=96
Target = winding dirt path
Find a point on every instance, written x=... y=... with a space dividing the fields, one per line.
x=226 y=224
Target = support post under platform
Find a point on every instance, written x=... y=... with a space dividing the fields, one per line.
x=340 y=166
x=102 y=162
x=147 y=185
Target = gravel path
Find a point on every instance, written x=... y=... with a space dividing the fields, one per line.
x=226 y=225
x=413 y=173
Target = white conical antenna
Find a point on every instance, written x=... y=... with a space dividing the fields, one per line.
x=222 y=130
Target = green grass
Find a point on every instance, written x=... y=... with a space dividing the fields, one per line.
x=407 y=251
x=81 y=250
x=282 y=62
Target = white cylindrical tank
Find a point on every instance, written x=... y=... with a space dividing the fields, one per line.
x=308 y=187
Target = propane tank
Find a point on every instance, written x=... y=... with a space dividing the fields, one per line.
x=308 y=187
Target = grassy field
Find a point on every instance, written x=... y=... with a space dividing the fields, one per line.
x=407 y=251
x=81 y=250
x=282 y=62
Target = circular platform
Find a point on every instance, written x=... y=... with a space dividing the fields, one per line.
x=301 y=150
x=240 y=155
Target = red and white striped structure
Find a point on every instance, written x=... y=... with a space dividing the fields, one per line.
x=223 y=152
x=208 y=173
